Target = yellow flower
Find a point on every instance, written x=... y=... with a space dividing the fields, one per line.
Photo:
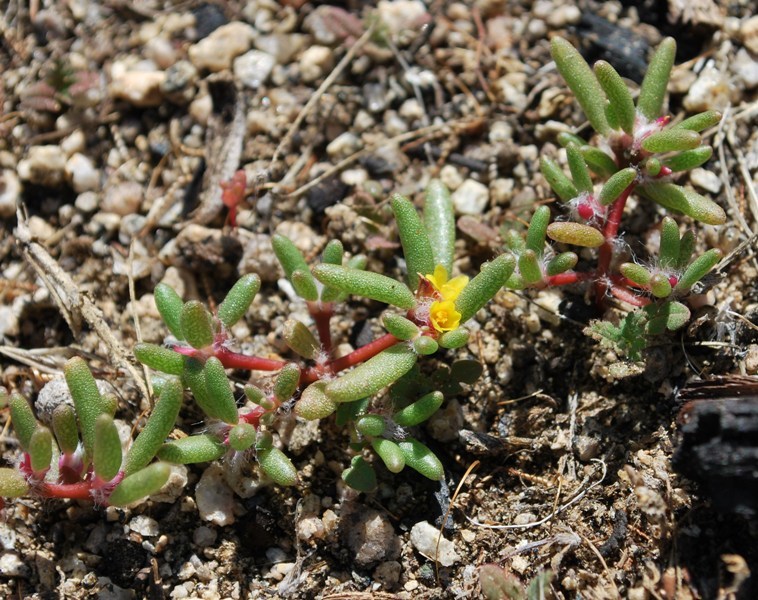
x=443 y=316
x=448 y=289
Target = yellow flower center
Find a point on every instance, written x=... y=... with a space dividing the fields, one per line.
x=443 y=316
x=448 y=289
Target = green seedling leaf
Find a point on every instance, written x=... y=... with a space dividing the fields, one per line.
x=651 y=167
x=582 y=82
x=514 y=241
x=425 y=345
x=193 y=449
x=314 y=403
x=420 y=458
x=539 y=587
x=41 y=449
x=419 y=411
x=197 y=325
x=194 y=378
x=286 y=382
x=565 y=138
x=618 y=95
x=535 y=235
x=689 y=202
x=350 y=411
x=23 y=419
x=373 y=375
x=289 y=256
x=65 y=428
x=371 y=425
x=628 y=339
x=169 y=305
x=557 y=180
x=254 y=394
x=686 y=248
x=277 y=466
x=12 y=483
x=238 y=300
x=399 y=326
x=466 y=371
x=457 y=338
x=669 y=252
x=636 y=273
x=612 y=117
x=159 y=358
x=598 y=161
x=701 y=121
x=653 y=89
x=616 y=185
x=140 y=485
x=300 y=339
x=333 y=253
x=561 y=263
x=439 y=220
x=106 y=456
x=678 y=315
x=360 y=475
x=689 y=159
x=669 y=315
x=671 y=140
x=482 y=288
x=660 y=285
x=367 y=284
x=242 y=436
x=157 y=428
x=305 y=285
x=88 y=402
x=417 y=248
x=579 y=171
x=390 y=453
x=263 y=440
x=576 y=234
x=498 y=584
x=515 y=282
x=698 y=269
x=529 y=267
x=219 y=392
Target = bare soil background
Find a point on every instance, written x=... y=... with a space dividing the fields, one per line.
x=118 y=122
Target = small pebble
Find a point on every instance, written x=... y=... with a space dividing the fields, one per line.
x=315 y=62
x=711 y=90
x=749 y=33
x=565 y=14
x=11 y=565
x=139 y=88
x=388 y=573
x=451 y=177
x=215 y=500
x=204 y=536
x=370 y=537
x=705 y=180
x=43 y=165
x=144 y=525
x=343 y=145
x=470 y=198
x=424 y=537
x=745 y=67
x=217 y=51
x=83 y=174
x=253 y=68
x=123 y=198
x=75 y=142
x=10 y=191
x=400 y=14
x=283 y=47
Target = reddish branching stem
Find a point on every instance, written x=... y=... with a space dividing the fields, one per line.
x=322 y=315
x=356 y=357
x=610 y=233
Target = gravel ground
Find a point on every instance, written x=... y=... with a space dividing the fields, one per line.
x=120 y=119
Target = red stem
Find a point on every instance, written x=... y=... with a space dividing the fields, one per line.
x=567 y=278
x=322 y=316
x=610 y=232
x=75 y=491
x=349 y=360
x=235 y=360
x=628 y=296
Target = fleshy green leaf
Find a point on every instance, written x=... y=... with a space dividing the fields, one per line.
x=141 y=484
x=439 y=221
x=636 y=273
x=238 y=300
x=618 y=95
x=169 y=305
x=390 y=453
x=686 y=248
x=698 y=269
x=561 y=263
x=360 y=475
x=482 y=288
x=535 y=235
x=653 y=89
x=417 y=248
x=582 y=82
x=157 y=428
x=689 y=159
x=333 y=253
x=277 y=466
x=219 y=392
x=689 y=202
x=419 y=411
x=399 y=326
x=669 y=315
x=420 y=458
x=242 y=436
x=497 y=584
x=577 y=234
x=159 y=358
x=671 y=140
x=366 y=284
x=41 y=449
x=300 y=339
x=12 y=483
x=197 y=325
x=669 y=252
x=23 y=419
x=314 y=403
x=598 y=161
x=286 y=382
x=616 y=185
x=65 y=428
x=529 y=267
x=565 y=138
x=193 y=449
x=88 y=402
x=660 y=285
x=425 y=345
x=106 y=456
x=289 y=256
x=701 y=121
x=371 y=425
x=305 y=285
x=457 y=338
x=373 y=375
x=557 y=179
x=579 y=171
